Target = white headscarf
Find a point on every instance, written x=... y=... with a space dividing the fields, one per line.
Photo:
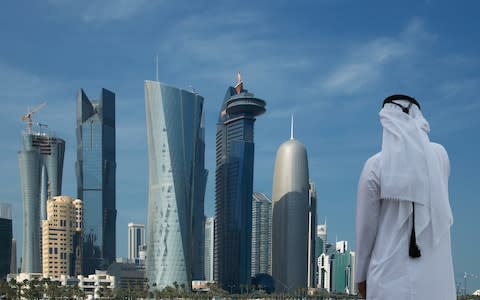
x=409 y=170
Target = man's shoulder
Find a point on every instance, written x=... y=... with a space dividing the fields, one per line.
x=373 y=160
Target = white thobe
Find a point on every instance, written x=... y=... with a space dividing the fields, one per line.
x=382 y=245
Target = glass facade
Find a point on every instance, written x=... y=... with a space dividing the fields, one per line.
x=261 y=234
x=209 y=242
x=5 y=239
x=41 y=169
x=95 y=169
x=176 y=184
x=233 y=187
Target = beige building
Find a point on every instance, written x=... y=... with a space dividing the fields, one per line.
x=62 y=237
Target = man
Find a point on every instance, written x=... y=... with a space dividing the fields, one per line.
x=403 y=212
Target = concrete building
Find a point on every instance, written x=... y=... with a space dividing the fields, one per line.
x=136 y=240
x=341 y=246
x=5 y=239
x=127 y=275
x=176 y=184
x=94 y=285
x=290 y=197
x=209 y=244
x=41 y=170
x=96 y=183
x=325 y=272
x=234 y=157
x=261 y=234
x=62 y=237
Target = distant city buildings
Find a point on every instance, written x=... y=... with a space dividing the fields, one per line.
x=96 y=173
x=312 y=235
x=136 y=241
x=41 y=169
x=337 y=269
x=209 y=244
x=261 y=234
x=62 y=237
x=320 y=248
x=176 y=183
x=291 y=207
x=234 y=155
x=5 y=239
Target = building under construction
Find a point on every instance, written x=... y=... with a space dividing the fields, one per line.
x=41 y=169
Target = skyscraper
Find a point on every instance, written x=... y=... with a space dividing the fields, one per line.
x=320 y=247
x=290 y=197
x=261 y=234
x=176 y=182
x=5 y=239
x=96 y=169
x=234 y=187
x=41 y=169
x=136 y=239
x=312 y=234
x=209 y=242
x=62 y=237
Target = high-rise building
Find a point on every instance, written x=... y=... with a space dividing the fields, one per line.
x=325 y=272
x=136 y=239
x=13 y=261
x=5 y=239
x=321 y=242
x=177 y=180
x=209 y=243
x=312 y=235
x=342 y=272
x=41 y=169
x=341 y=246
x=290 y=197
x=62 y=237
x=198 y=212
x=261 y=234
x=96 y=169
x=234 y=187
x=320 y=248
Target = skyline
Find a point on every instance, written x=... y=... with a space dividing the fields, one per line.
x=329 y=63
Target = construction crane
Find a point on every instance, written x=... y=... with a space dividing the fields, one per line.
x=28 y=116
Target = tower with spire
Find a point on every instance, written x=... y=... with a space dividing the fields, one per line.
x=290 y=225
x=234 y=187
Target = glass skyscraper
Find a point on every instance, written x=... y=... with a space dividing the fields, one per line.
x=95 y=169
x=176 y=184
x=209 y=242
x=233 y=187
x=41 y=169
x=261 y=234
x=5 y=239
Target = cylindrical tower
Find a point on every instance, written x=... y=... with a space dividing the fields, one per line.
x=290 y=217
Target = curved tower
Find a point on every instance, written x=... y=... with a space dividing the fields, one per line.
x=290 y=197
x=234 y=187
x=176 y=182
x=41 y=169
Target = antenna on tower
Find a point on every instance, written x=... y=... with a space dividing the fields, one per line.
x=291 y=128
x=156 y=67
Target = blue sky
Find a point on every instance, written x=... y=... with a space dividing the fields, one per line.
x=330 y=63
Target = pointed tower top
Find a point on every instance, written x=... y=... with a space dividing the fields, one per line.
x=291 y=128
x=239 y=85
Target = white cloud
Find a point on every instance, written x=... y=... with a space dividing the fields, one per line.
x=92 y=11
x=366 y=63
